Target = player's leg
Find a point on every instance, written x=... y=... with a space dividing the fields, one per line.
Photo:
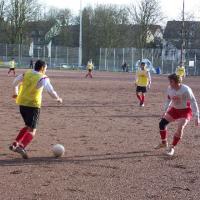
x=163 y=130
x=14 y=72
x=178 y=135
x=87 y=74
x=90 y=73
x=138 y=90
x=31 y=118
x=9 y=71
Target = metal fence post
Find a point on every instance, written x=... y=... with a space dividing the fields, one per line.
x=19 y=54
x=67 y=56
x=114 y=60
x=132 y=59
x=123 y=59
x=100 y=61
x=6 y=52
x=105 y=59
x=152 y=57
x=162 y=61
x=172 y=63
x=195 y=64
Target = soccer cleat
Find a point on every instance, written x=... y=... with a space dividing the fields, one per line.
x=12 y=148
x=141 y=104
x=170 y=151
x=161 y=146
x=22 y=152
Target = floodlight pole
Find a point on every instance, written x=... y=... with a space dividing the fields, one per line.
x=182 y=60
x=80 y=36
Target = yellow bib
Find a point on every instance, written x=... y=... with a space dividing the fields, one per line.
x=12 y=64
x=90 y=66
x=29 y=95
x=180 y=71
x=142 y=78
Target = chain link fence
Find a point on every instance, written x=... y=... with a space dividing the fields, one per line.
x=112 y=59
x=65 y=57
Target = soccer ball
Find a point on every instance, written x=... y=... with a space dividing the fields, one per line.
x=58 y=150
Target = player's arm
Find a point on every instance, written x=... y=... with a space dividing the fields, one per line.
x=167 y=102
x=45 y=82
x=194 y=105
x=149 y=78
x=136 y=79
x=18 y=80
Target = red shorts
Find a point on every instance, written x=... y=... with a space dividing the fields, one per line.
x=180 y=113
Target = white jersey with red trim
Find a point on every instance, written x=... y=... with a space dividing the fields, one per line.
x=179 y=99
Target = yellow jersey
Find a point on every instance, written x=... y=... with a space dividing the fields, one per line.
x=142 y=79
x=29 y=94
x=180 y=71
x=90 y=66
x=12 y=64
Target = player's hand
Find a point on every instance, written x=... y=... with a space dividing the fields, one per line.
x=59 y=100
x=197 y=122
x=14 y=96
x=148 y=87
x=136 y=85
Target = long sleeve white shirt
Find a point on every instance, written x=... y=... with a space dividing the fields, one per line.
x=43 y=82
x=179 y=99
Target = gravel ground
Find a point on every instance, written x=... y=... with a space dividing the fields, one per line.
x=108 y=139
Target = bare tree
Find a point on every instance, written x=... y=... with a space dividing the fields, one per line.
x=145 y=14
x=20 y=12
x=2 y=9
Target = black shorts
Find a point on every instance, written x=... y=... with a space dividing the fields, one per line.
x=12 y=69
x=30 y=116
x=141 y=89
x=89 y=70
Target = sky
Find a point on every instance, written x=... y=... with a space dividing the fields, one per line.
x=171 y=8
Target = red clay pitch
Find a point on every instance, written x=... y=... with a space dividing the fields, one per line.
x=108 y=139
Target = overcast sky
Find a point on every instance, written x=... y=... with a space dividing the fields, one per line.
x=170 y=8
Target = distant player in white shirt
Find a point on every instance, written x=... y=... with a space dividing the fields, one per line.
x=180 y=106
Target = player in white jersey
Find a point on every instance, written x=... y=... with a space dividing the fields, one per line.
x=180 y=106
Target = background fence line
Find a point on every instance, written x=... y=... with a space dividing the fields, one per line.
x=109 y=59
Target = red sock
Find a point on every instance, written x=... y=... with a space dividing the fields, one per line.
x=175 y=141
x=142 y=99
x=26 y=139
x=139 y=97
x=163 y=135
x=21 y=134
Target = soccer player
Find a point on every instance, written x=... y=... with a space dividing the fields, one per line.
x=177 y=109
x=143 y=81
x=180 y=71
x=12 y=65
x=28 y=88
x=90 y=67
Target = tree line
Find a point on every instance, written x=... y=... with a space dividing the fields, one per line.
x=106 y=26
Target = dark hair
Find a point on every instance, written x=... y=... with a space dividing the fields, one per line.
x=176 y=78
x=143 y=63
x=39 y=64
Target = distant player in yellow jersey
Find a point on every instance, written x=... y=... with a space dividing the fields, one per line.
x=29 y=99
x=12 y=66
x=143 y=80
x=90 y=67
x=180 y=71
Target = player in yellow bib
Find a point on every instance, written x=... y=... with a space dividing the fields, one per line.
x=12 y=66
x=180 y=71
x=143 y=80
x=90 y=67
x=28 y=89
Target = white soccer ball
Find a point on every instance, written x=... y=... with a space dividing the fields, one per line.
x=58 y=150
